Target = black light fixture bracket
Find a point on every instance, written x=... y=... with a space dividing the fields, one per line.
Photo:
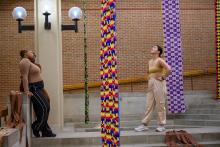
x=47 y=24
x=71 y=27
x=24 y=27
x=19 y=13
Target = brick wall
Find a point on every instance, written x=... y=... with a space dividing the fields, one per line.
x=11 y=43
x=139 y=26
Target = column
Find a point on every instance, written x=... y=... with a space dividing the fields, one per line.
x=48 y=44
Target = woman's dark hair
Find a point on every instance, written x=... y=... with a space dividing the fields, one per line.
x=160 y=49
x=22 y=53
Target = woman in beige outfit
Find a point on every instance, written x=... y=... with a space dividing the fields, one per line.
x=156 y=93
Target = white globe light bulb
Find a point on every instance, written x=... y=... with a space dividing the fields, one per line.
x=19 y=13
x=75 y=13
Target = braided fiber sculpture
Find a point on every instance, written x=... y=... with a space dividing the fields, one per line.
x=109 y=88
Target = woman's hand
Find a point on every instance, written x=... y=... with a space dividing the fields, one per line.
x=28 y=93
x=161 y=78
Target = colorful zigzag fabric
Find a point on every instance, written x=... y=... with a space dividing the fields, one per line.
x=110 y=133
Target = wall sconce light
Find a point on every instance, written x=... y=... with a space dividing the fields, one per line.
x=47 y=24
x=19 y=13
x=75 y=14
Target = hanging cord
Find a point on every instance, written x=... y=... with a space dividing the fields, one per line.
x=85 y=65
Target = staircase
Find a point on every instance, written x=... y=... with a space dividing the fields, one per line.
x=202 y=120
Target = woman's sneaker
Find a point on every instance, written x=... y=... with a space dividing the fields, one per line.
x=141 y=128
x=160 y=129
x=35 y=132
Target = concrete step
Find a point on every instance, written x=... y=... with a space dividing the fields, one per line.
x=205 y=144
x=195 y=116
x=208 y=135
x=148 y=137
x=205 y=102
x=194 y=122
x=96 y=129
x=186 y=120
x=202 y=111
x=190 y=114
x=205 y=106
x=176 y=116
x=122 y=123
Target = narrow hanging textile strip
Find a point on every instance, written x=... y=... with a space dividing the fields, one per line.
x=217 y=30
x=173 y=53
x=109 y=88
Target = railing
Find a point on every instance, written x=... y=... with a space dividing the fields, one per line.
x=189 y=74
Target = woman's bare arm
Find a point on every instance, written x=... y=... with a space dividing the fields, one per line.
x=165 y=66
x=24 y=69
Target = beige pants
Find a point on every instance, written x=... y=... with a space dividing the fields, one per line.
x=156 y=98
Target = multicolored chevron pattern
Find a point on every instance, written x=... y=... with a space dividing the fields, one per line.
x=109 y=88
x=217 y=28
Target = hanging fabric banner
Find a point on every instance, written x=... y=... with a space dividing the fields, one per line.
x=109 y=88
x=217 y=29
x=173 y=53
